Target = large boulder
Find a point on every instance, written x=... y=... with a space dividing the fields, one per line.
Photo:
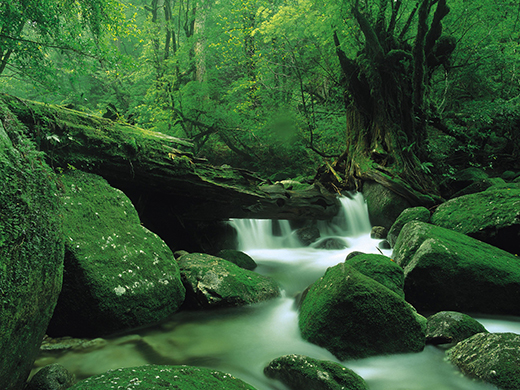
x=447 y=327
x=118 y=274
x=492 y=216
x=243 y=260
x=353 y=316
x=152 y=377
x=31 y=251
x=410 y=214
x=446 y=270
x=384 y=205
x=380 y=268
x=491 y=357
x=214 y=282
x=304 y=373
x=51 y=377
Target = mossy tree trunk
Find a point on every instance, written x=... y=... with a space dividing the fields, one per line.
x=386 y=85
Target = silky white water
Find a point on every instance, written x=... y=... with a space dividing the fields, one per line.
x=243 y=340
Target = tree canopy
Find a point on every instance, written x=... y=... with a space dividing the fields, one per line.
x=387 y=90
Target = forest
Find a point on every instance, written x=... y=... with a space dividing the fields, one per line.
x=254 y=194
x=398 y=90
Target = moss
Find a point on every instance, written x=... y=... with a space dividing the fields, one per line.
x=409 y=214
x=118 y=274
x=344 y=303
x=491 y=357
x=448 y=327
x=211 y=282
x=163 y=377
x=446 y=270
x=380 y=268
x=305 y=373
x=31 y=249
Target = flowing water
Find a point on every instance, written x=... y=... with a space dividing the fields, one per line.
x=243 y=340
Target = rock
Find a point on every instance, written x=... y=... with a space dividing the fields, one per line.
x=31 y=251
x=379 y=232
x=51 y=377
x=331 y=243
x=119 y=275
x=214 y=282
x=384 y=245
x=462 y=179
x=163 y=377
x=353 y=316
x=180 y=253
x=384 y=206
x=448 y=327
x=304 y=373
x=491 y=357
x=480 y=185
x=380 y=268
x=446 y=270
x=239 y=258
x=491 y=216
x=353 y=254
x=307 y=235
x=510 y=175
x=410 y=214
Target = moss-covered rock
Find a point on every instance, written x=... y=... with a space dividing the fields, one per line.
x=353 y=316
x=446 y=270
x=214 y=282
x=380 y=268
x=491 y=357
x=384 y=206
x=51 y=377
x=239 y=258
x=152 y=377
x=462 y=179
x=31 y=251
x=448 y=327
x=491 y=216
x=410 y=214
x=118 y=274
x=304 y=373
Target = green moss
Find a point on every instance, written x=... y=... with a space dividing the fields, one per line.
x=31 y=249
x=211 y=282
x=163 y=377
x=491 y=357
x=409 y=214
x=345 y=302
x=380 y=268
x=305 y=373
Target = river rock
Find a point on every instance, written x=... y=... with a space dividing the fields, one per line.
x=448 y=327
x=492 y=216
x=462 y=179
x=163 y=377
x=378 y=232
x=214 y=282
x=384 y=205
x=304 y=373
x=331 y=243
x=353 y=316
x=410 y=214
x=243 y=260
x=308 y=234
x=446 y=270
x=380 y=268
x=491 y=357
x=51 y=377
x=119 y=275
x=31 y=251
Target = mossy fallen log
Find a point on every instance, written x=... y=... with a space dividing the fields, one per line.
x=153 y=166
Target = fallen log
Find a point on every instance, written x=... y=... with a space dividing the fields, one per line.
x=153 y=167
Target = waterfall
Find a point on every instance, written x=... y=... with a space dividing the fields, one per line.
x=352 y=221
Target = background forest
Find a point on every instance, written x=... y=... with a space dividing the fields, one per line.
x=257 y=84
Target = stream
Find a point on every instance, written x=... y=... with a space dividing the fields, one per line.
x=243 y=340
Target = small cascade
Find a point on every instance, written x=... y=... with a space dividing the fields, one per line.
x=264 y=233
x=352 y=219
